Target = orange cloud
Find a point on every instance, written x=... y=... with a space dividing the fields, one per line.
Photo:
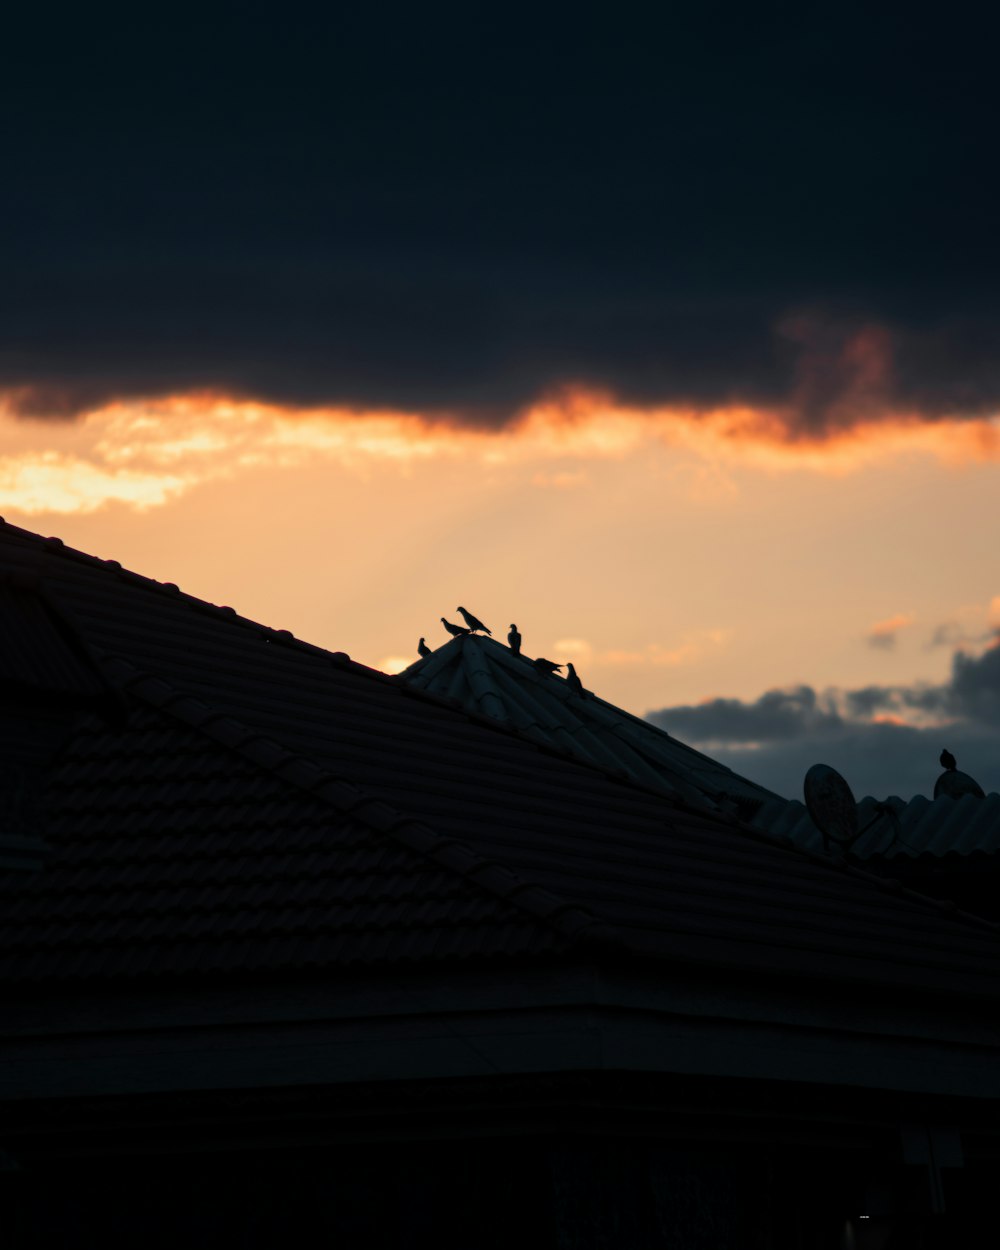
x=54 y=482
x=883 y=633
x=145 y=453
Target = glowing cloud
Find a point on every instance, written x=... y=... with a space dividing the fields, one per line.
x=50 y=482
x=144 y=454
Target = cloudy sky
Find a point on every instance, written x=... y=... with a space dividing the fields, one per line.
x=671 y=336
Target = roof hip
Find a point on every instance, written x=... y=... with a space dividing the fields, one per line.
x=569 y=919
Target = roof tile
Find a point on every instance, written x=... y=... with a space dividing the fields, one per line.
x=906 y=828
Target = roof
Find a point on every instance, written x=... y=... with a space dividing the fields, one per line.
x=40 y=653
x=268 y=804
x=897 y=828
x=174 y=854
x=486 y=677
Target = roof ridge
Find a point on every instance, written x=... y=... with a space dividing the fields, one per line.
x=568 y=755
x=685 y=792
x=570 y=919
x=56 y=546
x=508 y=727
x=640 y=721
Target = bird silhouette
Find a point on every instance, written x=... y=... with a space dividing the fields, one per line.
x=514 y=639
x=545 y=666
x=473 y=622
x=948 y=761
x=423 y=649
x=456 y=631
x=573 y=680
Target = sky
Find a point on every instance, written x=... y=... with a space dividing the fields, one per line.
x=671 y=336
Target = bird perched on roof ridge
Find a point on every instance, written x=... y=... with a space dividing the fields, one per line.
x=456 y=631
x=545 y=666
x=474 y=623
x=514 y=640
x=948 y=761
x=423 y=649
x=573 y=680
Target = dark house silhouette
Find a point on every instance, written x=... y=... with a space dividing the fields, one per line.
x=947 y=848
x=293 y=952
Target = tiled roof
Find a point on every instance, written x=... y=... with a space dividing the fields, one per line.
x=898 y=827
x=40 y=651
x=487 y=677
x=269 y=805
x=172 y=853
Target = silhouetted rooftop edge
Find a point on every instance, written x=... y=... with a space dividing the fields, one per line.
x=268 y=805
x=482 y=674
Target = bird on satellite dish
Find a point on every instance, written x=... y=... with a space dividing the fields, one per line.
x=545 y=666
x=474 y=623
x=514 y=640
x=573 y=680
x=423 y=649
x=456 y=631
x=947 y=760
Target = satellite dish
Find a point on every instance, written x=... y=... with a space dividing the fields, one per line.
x=831 y=805
x=956 y=785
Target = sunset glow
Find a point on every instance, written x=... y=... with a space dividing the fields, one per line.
x=666 y=552
x=144 y=454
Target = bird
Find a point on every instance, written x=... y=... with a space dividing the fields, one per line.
x=456 y=631
x=948 y=761
x=423 y=649
x=545 y=666
x=573 y=680
x=514 y=640
x=474 y=623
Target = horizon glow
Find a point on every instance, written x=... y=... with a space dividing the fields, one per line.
x=674 y=555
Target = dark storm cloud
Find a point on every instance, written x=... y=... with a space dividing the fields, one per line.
x=457 y=211
x=974 y=689
x=870 y=701
x=776 y=737
x=776 y=715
